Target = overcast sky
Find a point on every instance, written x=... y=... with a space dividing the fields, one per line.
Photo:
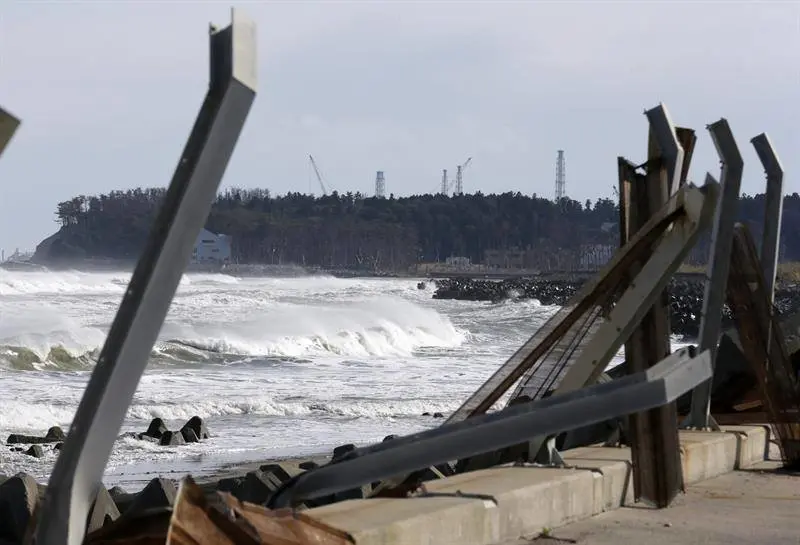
x=108 y=91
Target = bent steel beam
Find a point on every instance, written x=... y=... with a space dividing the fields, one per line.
x=719 y=262
x=773 y=211
x=670 y=147
x=662 y=383
x=521 y=364
x=8 y=126
x=668 y=254
x=78 y=472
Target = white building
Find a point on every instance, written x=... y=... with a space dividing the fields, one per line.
x=211 y=248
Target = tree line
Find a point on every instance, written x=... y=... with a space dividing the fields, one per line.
x=350 y=230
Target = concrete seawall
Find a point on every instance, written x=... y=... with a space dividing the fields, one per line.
x=502 y=503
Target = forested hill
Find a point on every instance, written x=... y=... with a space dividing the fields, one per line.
x=353 y=231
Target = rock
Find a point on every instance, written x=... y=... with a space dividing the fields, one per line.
x=686 y=296
x=58 y=446
x=117 y=492
x=171 y=439
x=342 y=450
x=156 y=428
x=200 y=430
x=308 y=465
x=438 y=415
x=389 y=438
x=56 y=434
x=257 y=487
x=18 y=498
x=189 y=435
x=230 y=485
x=19 y=439
x=280 y=475
x=35 y=451
x=158 y=493
x=103 y=511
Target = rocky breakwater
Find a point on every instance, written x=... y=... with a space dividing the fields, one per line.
x=686 y=296
x=21 y=494
x=116 y=513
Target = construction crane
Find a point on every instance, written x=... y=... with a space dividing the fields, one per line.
x=319 y=176
x=459 y=176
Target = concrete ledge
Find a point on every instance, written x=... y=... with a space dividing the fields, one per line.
x=614 y=487
x=707 y=454
x=504 y=503
x=427 y=521
x=753 y=444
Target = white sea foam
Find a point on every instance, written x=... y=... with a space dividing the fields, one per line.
x=275 y=365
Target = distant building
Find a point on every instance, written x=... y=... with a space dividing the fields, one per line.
x=211 y=248
x=513 y=258
x=458 y=262
x=595 y=256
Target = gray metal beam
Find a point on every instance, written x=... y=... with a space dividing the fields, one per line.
x=78 y=472
x=668 y=144
x=773 y=211
x=719 y=262
x=8 y=126
x=660 y=384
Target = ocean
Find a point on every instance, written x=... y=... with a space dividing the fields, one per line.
x=277 y=367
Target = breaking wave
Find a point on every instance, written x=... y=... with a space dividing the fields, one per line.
x=59 y=321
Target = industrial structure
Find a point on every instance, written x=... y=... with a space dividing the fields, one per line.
x=561 y=176
x=380 y=185
x=318 y=175
x=211 y=248
x=459 y=182
x=460 y=177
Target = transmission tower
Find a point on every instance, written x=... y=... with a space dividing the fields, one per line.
x=380 y=185
x=561 y=176
x=445 y=183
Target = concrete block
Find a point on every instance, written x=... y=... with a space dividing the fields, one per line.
x=529 y=499
x=706 y=454
x=504 y=503
x=448 y=520
x=753 y=444
x=614 y=488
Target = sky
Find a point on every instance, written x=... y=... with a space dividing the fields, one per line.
x=107 y=92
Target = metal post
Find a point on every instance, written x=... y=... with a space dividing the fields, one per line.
x=78 y=472
x=719 y=263
x=657 y=475
x=773 y=211
x=669 y=147
x=688 y=141
x=8 y=126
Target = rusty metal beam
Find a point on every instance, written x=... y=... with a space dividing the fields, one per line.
x=764 y=345
x=688 y=141
x=773 y=210
x=657 y=475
